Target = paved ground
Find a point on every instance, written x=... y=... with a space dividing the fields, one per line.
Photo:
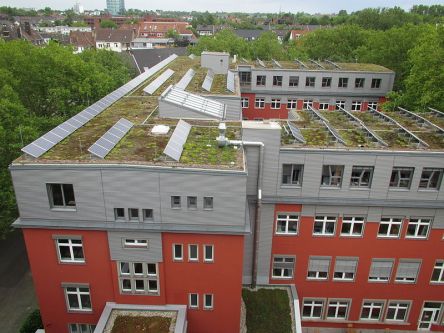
x=17 y=296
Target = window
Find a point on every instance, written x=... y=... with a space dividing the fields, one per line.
x=70 y=250
x=407 y=271
x=318 y=268
x=372 y=310
x=283 y=267
x=78 y=298
x=261 y=80
x=192 y=202
x=376 y=83
x=352 y=226
x=310 y=81
x=208 y=203
x=259 y=103
x=418 y=228
x=324 y=106
x=373 y=105
x=133 y=214
x=324 y=225
x=135 y=243
x=397 y=311
x=293 y=81
x=208 y=253
x=359 y=82
x=390 y=227
x=326 y=82
x=245 y=102
x=343 y=82
x=312 y=308
x=275 y=103
x=438 y=272
x=345 y=269
x=292 y=104
x=307 y=103
x=138 y=278
x=193 y=252
x=194 y=301
x=361 y=176
x=81 y=328
x=287 y=224
x=177 y=252
x=332 y=175
x=431 y=179
x=245 y=78
x=61 y=195
x=147 y=214
x=340 y=105
x=119 y=214
x=292 y=174
x=380 y=270
x=208 y=301
x=356 y=105
x=175 y=201
x=337 y=309
x=401 y=177
x=277 y=81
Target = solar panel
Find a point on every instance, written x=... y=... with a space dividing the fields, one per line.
x=192 y=56
x=157 y=83
x=230 y=81
x=296 y=132
x=261 y=63
x=186 y=79
x=436 y=112
x=276 y=63
x=420 y=120
x=108 y=141
x=333 y=63
x=300 y=63
x=194 y=102
x=326 y=123
x=208 y=82
x=316 y=63
x=174 y=147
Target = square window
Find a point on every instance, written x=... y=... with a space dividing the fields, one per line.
x=133 y=214
x=259 y=103
x=324 y=225
x=193 y=252
x=70 y=250
x=138 y=268
x=431 y=178
x=343 y=82
x=152 y=286
x=390 y=227
x=438 y=272
x=356 y=106
x=359 y=82
x=376 y=83
x=277 y=81
x=380 y=270
x=324 y=106
x=261 y=80
x=372 y=310
x=310 y=81
x=308 y=103
x=140 y=285
x=175 y=201
x=337 y=309
x=401 y=177
x=208 y=203
x=245 y=102
x=61 y=195
x=192 y=202
x=352 y=226
x=361 y=176
x=275 y=103
x=318 y=268
x=332 y=175
x=340 y=104
x=147 y=214
x=397 y=311
x=312 y=309
x=194 y=301
x=372 y=106
x=326 y=82
x=78 y=298
x=245 y=78
x=418 y=228
x=287 y=224
x=345 y=269
x=178 y=252
x=293 y=81
x=283 y=267
x=292 y=104
x=407 y=271
x=137 y=243
x=208 y=253
x=119 y=214
x=152 y=269
x=208 y=301
x=292 y=174
x=124 y=268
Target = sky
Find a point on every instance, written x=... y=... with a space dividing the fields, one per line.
x=268 y=6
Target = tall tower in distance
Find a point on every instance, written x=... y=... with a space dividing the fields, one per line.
x=115 y=7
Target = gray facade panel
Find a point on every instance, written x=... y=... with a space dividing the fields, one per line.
x=151 y=254
x=233 y=103
x=312 y=174
x=265 y=243
x=438 y=221
x=252 y=157
x=248 y=247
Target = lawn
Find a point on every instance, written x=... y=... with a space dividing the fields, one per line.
x=268 y=311
x=141 y=324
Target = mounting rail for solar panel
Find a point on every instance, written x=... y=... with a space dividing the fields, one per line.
x=301 y=63
x=186 y=79
x=333 y=64
x=231 y=81
x=174 y=147
x=208 y=82
x=276 y=63
x=401 y=128
x=296 y=132
x=157 y=83
x=244 y=60
x=260 y=62
x=326 y=123
x=369 y=132
x=316 y=63
x=437 y=112
x=192 y=56
x=420 y=120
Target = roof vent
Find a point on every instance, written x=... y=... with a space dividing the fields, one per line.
x=160 y=129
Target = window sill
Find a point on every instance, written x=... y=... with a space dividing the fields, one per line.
x=292 y=186
x=208 y=209
x=340 y=280
x=326 y=187
x=60 y=209
x=321 y=235
x=80 y=311
x=388 y=237
x=431 y=190
x=357 y=188
x=281 y=278
x=351 y=236
x=398 y=189
x=416 y=238
x=77 y=263
x=176 y=208
x=285 y=234
x=317 y=279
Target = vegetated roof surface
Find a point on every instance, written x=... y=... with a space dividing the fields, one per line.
x=141 y=324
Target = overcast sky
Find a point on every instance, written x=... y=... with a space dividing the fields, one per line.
x=313 y=6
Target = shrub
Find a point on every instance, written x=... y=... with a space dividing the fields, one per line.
x=32 y=323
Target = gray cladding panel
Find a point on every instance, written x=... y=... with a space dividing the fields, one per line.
x=233 y=103
x=252 y=156
x=312 y=174
x=438 y=221
x=248 y=248
x=151 y=254
x=265 y=243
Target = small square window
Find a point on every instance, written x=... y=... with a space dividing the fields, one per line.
x=119 y=214
x=261 y=80
x=259 y=103
x=359 y=82
x=138 y=268
x=275 y=103
x=245 y=102
x=292 y=104
x=208 y=202
x=61 y=195
x=208 y=253
x=292 y=174
x=293 y=81
x=133 y=214
x=340 y=105
x=310 y=81
x=401 y=177
x=326 y=82
x=343 y=82
x=147 y=214
x=192 y=202
x=277 y=81
x=376 y=83
x=332 y=175
x=175 y=201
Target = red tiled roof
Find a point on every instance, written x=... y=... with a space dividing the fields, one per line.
x=114 y=36
x=163 y=27
x=81 y=39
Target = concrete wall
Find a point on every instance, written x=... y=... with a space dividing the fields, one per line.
x=218 y=62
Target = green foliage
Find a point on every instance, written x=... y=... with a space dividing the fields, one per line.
x=267 y=47
x=108 y=24
x=32 y=323
x=225 y=40
x=171 y=33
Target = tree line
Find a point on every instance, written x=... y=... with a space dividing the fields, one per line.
x=39 y=89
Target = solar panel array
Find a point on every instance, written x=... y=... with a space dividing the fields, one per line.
x=300 y=63
x=194 y=102
x=230 y=81
x=316 y=63
x=276 y=63
x=108 y=141
x=296 y=132
x=40 y=146
x=436 y=112
x=420 y=120
x=326 y=123
x=186 y=79
x=208 y=82
x=174 y=147
x=157 y=83
x=333 y=64
x=261 y=63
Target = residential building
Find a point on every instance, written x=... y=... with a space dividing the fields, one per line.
x=114 y=40
x=177 y=203
x=151 y=43
x=209 y=30
x=94 y=21
x=155 y=29
x=64 y=30
x=81 y=40
x=115 y=7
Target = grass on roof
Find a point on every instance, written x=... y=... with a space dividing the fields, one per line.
x=268 y=310
x=373 y=122
x=338 y=120
x=316 y=137
x=433 y=139
x=393 y=139
x=219 y=85
x=434 y=119
x=355 y=137
x=405 y=121
x=141 y=324
x=305 y=120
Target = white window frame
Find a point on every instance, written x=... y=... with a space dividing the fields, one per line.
x=146 y=276
x=135 y=243
x=372 y=305
x=424 y=183
x=338 y=304
x=324 y=106
x=275 y=103
x=391 y=222
x=397 y=306
x=285 y=272
x=334 y=181
x=77 y=293
x=196 y=258
x=356 y=106
x=261 y=80
x=340 y=103
x=325 y=220
x=208 y=260
x=313 y=303
x=207 y=306
x=385 y=278
x=68 y=242
x=310 y=81
x=372 y=105
x=78 y=328
x=286 y=219
x=439 y=268
x=293 y=172
x=292 y=104
x=352 y=221
x=190 y=303
x=399 y=180
x=418 y=224
x=317 y=275
x=343 y=276
x=259 y=103
x=306 y=103
x=404 y=279
x=177 y=258
x=245 y=102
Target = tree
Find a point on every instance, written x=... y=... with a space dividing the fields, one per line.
x=172 y=33
x=108 y=24
x=267 y=47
